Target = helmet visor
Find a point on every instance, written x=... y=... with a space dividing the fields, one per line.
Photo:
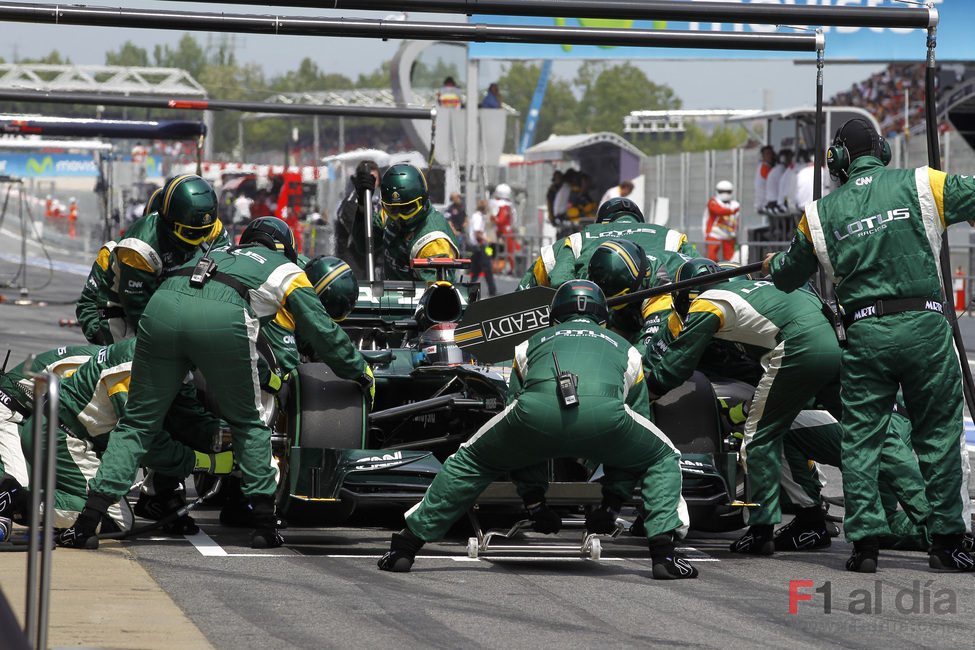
x=622 y=305
x=403 y=210
x=196 y=235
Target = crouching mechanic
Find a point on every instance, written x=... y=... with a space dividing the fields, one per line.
x=608 y=424
x=800 y=357
x=91 y=401
x=16 y=404
x=408 y=226
x=207 y=315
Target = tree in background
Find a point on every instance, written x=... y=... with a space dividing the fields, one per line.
x=559 y=110
x=611 y=92
x=130 y=55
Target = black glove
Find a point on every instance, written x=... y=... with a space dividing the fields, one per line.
x=363 y=181
x=403 y=547
x=602 y=520
x=544 y=519
x=86 y=526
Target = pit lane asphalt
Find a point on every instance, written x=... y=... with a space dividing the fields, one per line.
x=322 y=589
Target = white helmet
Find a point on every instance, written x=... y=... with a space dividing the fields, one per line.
x=724 y=187
x=503 y=191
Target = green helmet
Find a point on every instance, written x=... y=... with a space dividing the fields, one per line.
x=335 y=284
x=404 y=193
x=154 y=203
x=189 y=208
x=618 y=208
x=272 y=233
x=579 y=298
x=692 y=268
x=618 y=266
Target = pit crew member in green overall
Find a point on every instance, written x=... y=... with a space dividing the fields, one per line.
x=337 y=289
x=207 y=315
x=155 y=245
x=878 y=237
x=98 y=310
x=407 y=227
x=799 y=354
x=608 y=424
x=16 y=404
x=91 y=401
x=618 y=218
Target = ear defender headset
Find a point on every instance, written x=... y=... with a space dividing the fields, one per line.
x=855 y=138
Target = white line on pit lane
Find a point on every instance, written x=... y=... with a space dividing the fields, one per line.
x=208 y=547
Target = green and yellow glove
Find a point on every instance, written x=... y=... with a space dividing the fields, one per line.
x=221 y=463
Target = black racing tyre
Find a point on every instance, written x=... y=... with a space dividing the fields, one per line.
x=688 y=415
x=327 y=412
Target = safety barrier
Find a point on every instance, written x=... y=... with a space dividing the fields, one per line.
x=41 y=529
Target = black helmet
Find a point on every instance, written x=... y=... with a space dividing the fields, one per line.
x=189 y=208
x=335 y=284
x=617 y=208
x=272 y=233
x=618 y=266
x=692 y=268
x=579 y=298
x=855 y=138
x=403 y=191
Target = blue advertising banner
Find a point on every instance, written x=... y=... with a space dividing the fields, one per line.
x=34 y=165
x=852 y=43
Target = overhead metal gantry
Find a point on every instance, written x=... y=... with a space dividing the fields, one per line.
x=100 y=78
x=704 y=12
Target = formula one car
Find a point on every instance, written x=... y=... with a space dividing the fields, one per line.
x=336 y=455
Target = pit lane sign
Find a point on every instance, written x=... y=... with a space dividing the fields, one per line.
x=492 y=328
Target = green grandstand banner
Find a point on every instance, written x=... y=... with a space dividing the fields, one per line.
x=850 y=43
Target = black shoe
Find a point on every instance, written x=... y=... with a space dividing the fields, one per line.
x=948 y=553
x=968 y=542
x=14 y=500
x=673 y=567
x=403 y=547
x=798 y=536
x=396 y=561
x=266 y=538
x=162 y=505
x=755 y=542
x=864 y=557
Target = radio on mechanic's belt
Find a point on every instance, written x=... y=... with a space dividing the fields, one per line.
x=566 y=386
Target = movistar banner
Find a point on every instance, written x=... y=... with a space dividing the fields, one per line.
x=857 y=43
x=43 y=165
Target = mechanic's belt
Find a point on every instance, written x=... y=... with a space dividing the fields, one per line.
x=590 y=389
x=105 y=313
x=14 y=404
x=885 y=307
x=223 y=278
